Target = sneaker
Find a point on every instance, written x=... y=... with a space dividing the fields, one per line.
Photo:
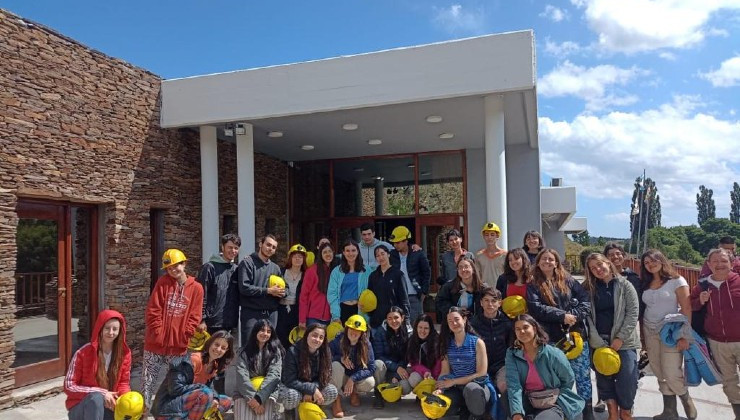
x=600 y=406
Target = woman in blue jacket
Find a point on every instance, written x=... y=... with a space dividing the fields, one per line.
x=560 y=304
x=390 y=344
x=532 y=365
x=346 y=282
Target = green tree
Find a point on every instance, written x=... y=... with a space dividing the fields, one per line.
x=645 y=212
x=582 y=238
x=735 y=203
x=705 y=205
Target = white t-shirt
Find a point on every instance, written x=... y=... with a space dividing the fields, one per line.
x=106 y=356
x=662 y=301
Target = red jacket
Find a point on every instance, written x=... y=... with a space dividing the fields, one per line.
x=723 y=309
x=172 y=315
x=312 y=303
x=80 y=380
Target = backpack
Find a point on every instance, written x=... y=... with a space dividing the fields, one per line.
x=697 y=317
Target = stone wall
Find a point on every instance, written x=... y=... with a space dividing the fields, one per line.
x=79 y=126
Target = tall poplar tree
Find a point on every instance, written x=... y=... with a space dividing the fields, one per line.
x=705 y=208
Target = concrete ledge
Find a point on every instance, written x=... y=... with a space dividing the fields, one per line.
x=31 y=393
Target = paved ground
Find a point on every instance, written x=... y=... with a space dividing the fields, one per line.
x=710 y=402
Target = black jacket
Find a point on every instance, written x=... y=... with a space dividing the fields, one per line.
x=290 y=374
x=634 y=279
x=169 y=401
x=576 y=302
x=215 y=277
x=496 y=333
x=418 y=268
x=390 y=290
x=446 y=299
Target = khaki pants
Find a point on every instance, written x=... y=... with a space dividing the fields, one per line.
x=666 y=364
x=727 y=357
x=338 y=379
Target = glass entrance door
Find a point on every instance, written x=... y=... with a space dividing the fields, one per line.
x=431 y=232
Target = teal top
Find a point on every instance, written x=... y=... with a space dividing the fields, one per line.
x=334 y=289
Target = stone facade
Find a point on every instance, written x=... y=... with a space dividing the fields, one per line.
x=79 y=126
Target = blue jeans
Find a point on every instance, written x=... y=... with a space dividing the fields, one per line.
x=91 y=407
x=622 y=386
x=311 y=321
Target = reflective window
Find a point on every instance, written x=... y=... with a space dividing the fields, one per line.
x=374 y=187
x=440 y=183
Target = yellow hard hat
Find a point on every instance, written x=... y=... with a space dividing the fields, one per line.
x=276 y=281
x=435 y=406
x=571 y=345
x=333 y=329
x=390 y=392
x=198 y=340
x=491 y=227
x=296 y=334
x=607 y=361
x=212 y=413
x=310 y=411
x=514 y=306
x=426 y=385
x=400 y=233
x=368 y=300
x=171 y=257
x=310 y=258
x=257 y=382
x=129 y=406
x=297 y=248
x=356 y=322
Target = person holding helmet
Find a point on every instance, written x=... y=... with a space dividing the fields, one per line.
x=99 y=371
x=516 y=275
x=490 y=260
x=390 y=344
x=346 y=282
x=261 y=356
x=415 y=267
x=539 y=376
x=293 y=273
x=353 y=363
x=558 y=302
x=173 y=314
x=313 y=306
x=259 y=300
x=613 y=324
x=422 y=353
x=388 y=284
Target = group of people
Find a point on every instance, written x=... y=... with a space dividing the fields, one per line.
x=486 y=360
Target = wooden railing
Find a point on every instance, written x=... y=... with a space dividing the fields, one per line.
x=30 y=292
x=689 y=273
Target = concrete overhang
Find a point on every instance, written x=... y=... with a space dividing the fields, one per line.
x=388 y=94
x=575 y=225
x=557 y=205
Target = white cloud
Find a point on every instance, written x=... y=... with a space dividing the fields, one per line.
x=665 y=55
x=555 y=14
x=631 y=26
x=617 y=217
x=562 y=49
x=728 y=74
x=590 y=84
x=679 y=146
x=456 y=19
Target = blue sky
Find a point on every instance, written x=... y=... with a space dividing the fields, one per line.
x=622 y=85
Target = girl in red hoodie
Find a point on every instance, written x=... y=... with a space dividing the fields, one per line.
x=99 y=371
x=173 y=313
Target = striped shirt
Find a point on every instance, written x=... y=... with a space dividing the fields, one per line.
x=462 y=359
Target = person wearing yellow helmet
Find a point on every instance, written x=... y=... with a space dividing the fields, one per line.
x=538 y=376
x=313 y=306
x=173 y=314
x=99 y=371
x=353 y=363
x=615 y=310
x=490 y=259
x=259 y=300
x=558 y=302
x=347 y=282
x=293 y=274
x=390 y=344
x=261 y=356
x=415 y=267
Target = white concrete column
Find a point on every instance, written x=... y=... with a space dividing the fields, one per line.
x=495 y=165
x=209 y=191
x=245 y=187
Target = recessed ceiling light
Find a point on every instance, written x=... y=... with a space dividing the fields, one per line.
x=374 y=142
x=411 y=165
x=425 y=173
x=446 y=136
x=350 y=127
x=359 y=169
x=434 y=119
x=378 y=178
x=307 y=147
x=274 y=134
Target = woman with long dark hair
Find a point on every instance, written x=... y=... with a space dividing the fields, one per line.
x=389 y=286
x=463 y=291
x=423 y=351
x=464 y=374
x=538 y=376
x=353 y=363
x=261 y=356
x=664 y=291
x=293 y=274
x=313 y=305
x=99 y=371
x=390 y=344
x=613 y=323
x=516 y=274
x=306 y=372
x=346 y=282
x=558 y=302
x=533 y=243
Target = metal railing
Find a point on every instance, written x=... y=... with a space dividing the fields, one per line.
x=689 y=273
x=30 y=292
